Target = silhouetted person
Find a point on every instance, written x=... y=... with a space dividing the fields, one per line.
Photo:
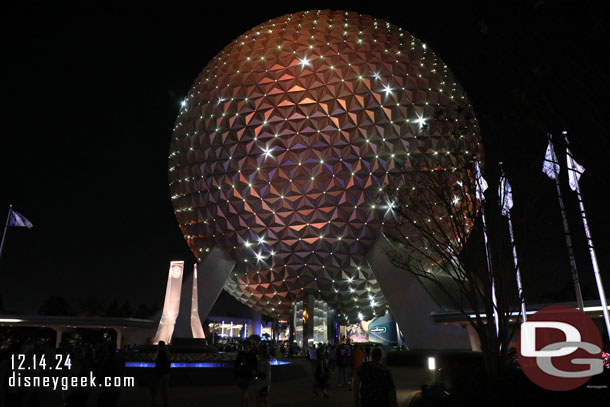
x=264 y=376
x=342 y=365
x=332 y=357
x=373 y=384
x=356 y=358
x=82 y=364
x=162 y=369
x=110 y=365
x=321 y=372
x=7 y=395
x=311 y=355
x=246 y=367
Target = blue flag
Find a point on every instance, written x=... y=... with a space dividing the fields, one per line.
x=17 y=220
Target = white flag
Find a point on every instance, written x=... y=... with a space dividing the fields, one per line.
x=18 y=220
x=575 y=170
x=481 y=183
x=551 y=165
x=506 y=195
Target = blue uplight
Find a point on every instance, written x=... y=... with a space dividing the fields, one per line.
x=202 y=364
x=198 y=364
x=140 y=364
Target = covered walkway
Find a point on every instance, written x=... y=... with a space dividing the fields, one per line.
x=141 y=327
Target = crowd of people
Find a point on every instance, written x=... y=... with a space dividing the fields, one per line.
x=338 y=366
x=357 y=368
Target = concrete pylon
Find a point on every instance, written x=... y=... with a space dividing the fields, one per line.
x=411 y=305
x=196 y=327
x=171 y=304
x=205 y=285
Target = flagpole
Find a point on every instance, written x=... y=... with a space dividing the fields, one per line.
x=487 y=251
x=517 y=271
x=8 y=218
x=598 y=277
x=566 y=230
x=514 y=249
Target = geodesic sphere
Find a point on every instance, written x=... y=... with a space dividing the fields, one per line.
x=287 y=137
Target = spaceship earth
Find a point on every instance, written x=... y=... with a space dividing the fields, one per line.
x=286 y=142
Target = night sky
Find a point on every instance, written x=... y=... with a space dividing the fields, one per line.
x=91 y=96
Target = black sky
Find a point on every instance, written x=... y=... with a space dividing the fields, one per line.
x=91 y=95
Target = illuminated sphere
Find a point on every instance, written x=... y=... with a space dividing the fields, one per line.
x=285 y=140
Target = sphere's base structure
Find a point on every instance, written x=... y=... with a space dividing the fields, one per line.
x=410 y=303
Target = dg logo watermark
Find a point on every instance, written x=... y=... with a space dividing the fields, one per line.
x=560 y=348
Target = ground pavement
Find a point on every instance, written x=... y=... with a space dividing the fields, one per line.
x=289 y=393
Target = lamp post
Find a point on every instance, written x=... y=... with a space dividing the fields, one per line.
x=432 y=367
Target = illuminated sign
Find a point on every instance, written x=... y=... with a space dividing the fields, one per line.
x=378 y=329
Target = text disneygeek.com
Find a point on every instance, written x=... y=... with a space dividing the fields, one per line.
x=18 y=380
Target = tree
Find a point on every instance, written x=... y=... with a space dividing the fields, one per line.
x=114 y=309
x=145 y=311
x=91 y=306
x=56 y=305
x=438 y=238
